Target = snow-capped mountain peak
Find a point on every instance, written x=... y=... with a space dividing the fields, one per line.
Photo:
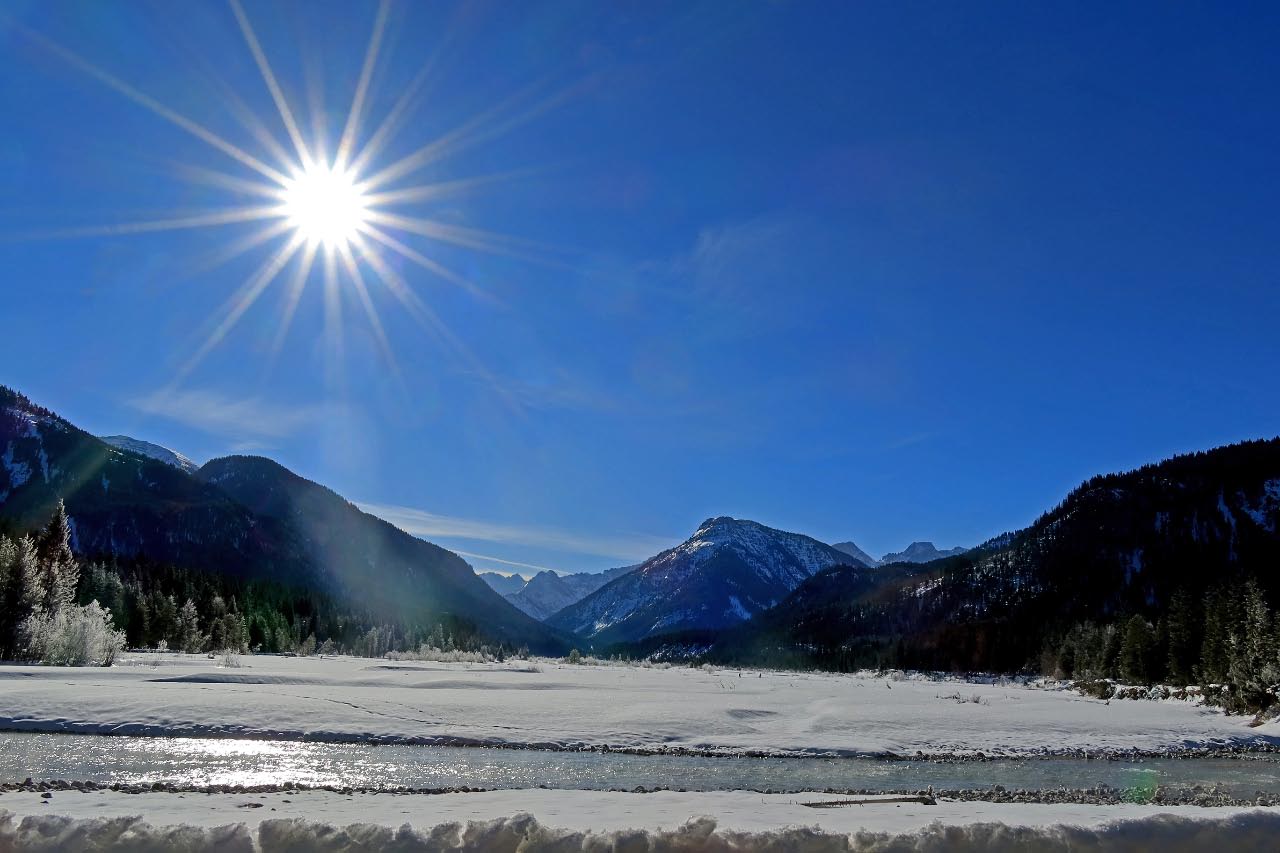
x=151 y=451
x=726 y=572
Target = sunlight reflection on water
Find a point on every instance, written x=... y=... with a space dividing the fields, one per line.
x=226 y=761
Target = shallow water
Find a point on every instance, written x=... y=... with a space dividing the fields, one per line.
x=217 y=761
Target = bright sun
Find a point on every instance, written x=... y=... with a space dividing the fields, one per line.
x=325 y=206
x=341 y=212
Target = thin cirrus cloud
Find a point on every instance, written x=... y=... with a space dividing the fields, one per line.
x=500 y=561
x=428 y=524
x=252 y=421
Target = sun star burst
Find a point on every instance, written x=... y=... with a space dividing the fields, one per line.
x=336 y=218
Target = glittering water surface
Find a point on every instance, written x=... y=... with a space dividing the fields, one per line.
x=216 y=761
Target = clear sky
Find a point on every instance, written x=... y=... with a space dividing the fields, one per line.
x=883 y=271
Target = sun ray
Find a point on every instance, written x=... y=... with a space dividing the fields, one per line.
x=293 y=296
x=195 y=129
x=418 y=310
x=362 y=87
x=439 y=190
x=216 y=178
x=471 y=132
x=357 y=281
x=332 y=322
x=430 y=322
x=277 y=94
x=393 y=118
x=458 y=235
x=234 y=250
x=437 y=148
x=313 y=82
x=432 y=266
x=251 y=122
x=178 y=223
x=242 y=301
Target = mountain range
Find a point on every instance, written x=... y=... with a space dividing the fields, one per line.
x=240 y=515
x=548 y=592
x=1121 y=546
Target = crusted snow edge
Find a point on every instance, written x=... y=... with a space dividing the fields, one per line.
x=1252 y=830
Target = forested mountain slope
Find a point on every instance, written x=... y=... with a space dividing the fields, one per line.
x=240 y=516
x=1158 y=543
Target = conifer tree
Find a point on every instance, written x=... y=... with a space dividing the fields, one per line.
x=10 y=594
x=58 y=564
x=1215 y=652
x=1110 y=663
x=1136 y=651
x=27 y=569
x=1183 y=648
x=1253 y=669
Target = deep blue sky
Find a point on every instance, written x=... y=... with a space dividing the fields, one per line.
x=872 y=271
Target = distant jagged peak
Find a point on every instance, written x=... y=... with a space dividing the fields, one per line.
x=851 y=548
x=151 y=451
x=503 y=584
x=920 y=552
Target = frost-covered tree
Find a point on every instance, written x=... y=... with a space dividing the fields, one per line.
x=23 y=593
x=72 y=636
x=1254 y=670
x=189 y=638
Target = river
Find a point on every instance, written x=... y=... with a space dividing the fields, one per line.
x=199 y=762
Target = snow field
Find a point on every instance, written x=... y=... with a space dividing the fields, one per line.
x=554 y=705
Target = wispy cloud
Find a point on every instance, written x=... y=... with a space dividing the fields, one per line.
x=725 y=259
x=486 y=558
x=625 y=547
x=248 y=420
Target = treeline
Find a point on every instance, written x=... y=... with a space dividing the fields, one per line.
x=109 y=605
x=1231 y=639
x=40 y=617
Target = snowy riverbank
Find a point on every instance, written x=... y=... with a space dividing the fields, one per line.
x=551 y=705
x=583 y=820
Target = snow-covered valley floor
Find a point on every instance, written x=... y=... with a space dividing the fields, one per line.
x=547 y=704
x=553 y=705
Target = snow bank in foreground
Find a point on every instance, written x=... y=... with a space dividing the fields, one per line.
x=523 y=834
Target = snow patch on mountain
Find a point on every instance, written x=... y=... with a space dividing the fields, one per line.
x=151 y=451
x=1265 y=512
